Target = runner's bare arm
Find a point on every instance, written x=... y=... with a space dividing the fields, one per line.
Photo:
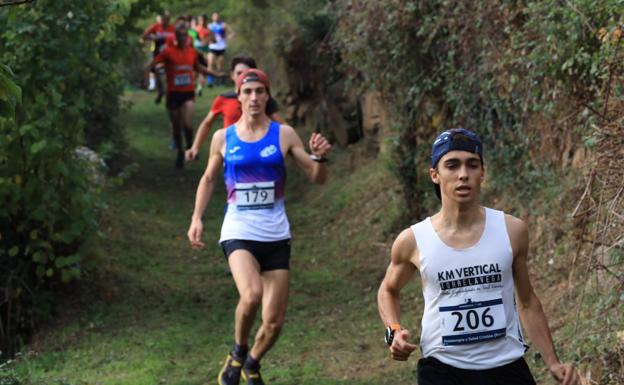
x=206 y=71
x=229 y=32
x=399 y=272
x=160 y=58
x=202 y=133
x=152 y=64
x=529 y=306
x=319 y=146
x=206 y=187
x=148 y=34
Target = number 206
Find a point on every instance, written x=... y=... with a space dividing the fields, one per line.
x=473 y=320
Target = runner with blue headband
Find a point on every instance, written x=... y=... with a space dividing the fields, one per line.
x=477 y=293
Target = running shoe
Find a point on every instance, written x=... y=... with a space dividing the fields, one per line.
x=179 y=160
x=159 y=97
x=230 y=374
x=252 y=376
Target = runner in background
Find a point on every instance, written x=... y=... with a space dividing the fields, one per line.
x=192 y=29
x=221 y=33
x=171 y=41
x=202 y=43
x=181 y=60
x=157 y=33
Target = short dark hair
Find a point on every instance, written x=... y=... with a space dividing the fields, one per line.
x=457 y=138
x=246 y=60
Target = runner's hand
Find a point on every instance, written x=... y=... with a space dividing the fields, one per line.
x=566 y=374
x=319 y=145
x=190 y=154
x=401 y=347
x=194 y=234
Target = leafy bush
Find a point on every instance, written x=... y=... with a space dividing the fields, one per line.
x=64 y=56
x=540 y=81
x=494 y=67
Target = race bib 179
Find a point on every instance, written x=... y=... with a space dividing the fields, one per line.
x=480 y=318
x=255 y=196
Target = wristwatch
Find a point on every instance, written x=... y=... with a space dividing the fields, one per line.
x=390 y=330
x=318 y=159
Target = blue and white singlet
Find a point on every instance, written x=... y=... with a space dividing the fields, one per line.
x=255 y=178
x=218 y=31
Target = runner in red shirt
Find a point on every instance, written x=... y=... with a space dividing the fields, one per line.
x=171 y=39
x=181 y=60
x=228 y=106
x=204 y=38
x=158 y=33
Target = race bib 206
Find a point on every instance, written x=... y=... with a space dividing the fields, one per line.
x=480 y=318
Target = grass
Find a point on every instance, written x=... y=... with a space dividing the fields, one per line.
x=158 y=312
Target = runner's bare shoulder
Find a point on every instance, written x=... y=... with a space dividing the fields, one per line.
x=218 y=140
x=405 y=249
x=518 y=233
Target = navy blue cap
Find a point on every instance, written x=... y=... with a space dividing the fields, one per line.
x=445 y=143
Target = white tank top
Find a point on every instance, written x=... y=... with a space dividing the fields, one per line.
x=470 y=319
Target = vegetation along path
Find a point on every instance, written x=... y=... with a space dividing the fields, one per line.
x=162 y=310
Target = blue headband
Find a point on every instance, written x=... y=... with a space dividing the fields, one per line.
x=445 y=143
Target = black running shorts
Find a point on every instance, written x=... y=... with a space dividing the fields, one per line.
x=434 y=372
x=270 y=255
x=175 y=100
x=217 y=52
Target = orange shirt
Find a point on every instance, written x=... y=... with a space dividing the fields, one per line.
x=179 y=64
x=203 y=34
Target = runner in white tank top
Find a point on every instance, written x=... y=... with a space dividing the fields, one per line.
x=472 y=263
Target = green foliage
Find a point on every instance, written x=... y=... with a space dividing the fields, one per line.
x=10 y=93
x=487 y=66
x=73 y=48
x=538 y=80
x=166 y=323
x=64 y=56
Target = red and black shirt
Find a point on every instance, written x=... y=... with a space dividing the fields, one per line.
x=179 y=65
x=162 y=34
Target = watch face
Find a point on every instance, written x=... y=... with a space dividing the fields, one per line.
x=389 y=337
